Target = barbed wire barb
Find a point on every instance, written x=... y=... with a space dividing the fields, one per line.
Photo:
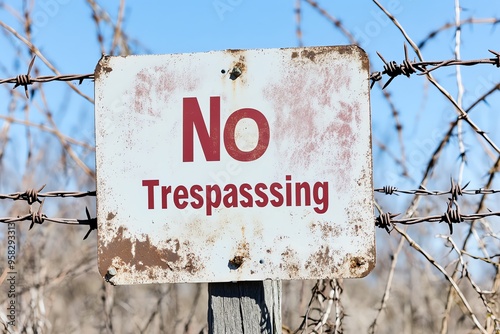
x=455 y=189
x=452 y=216
x=25 y=80
x=384 y=221
x=496 y=60
x=92 y=223
x=31 y=195
x=37 y=217
x=409 y=67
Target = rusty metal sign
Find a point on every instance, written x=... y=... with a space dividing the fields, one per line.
x=234 y=165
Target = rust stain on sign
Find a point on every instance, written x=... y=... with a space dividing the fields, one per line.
x=236 y=262
x=128 y=254
x=290 y=262
x=102 y=67
x=234 y=165
x=241 y=253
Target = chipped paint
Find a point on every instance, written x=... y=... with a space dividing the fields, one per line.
x=316 y=103
x=128 y=254
x=102 y=67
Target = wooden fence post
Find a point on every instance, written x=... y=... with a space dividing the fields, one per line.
x=252 y=307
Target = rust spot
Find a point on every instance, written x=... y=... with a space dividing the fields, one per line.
x=235 y=73
x=110 y=216
x=292 y=269
x=191 y=264
x=308 y=54
x=371 y=264
x=362 y=266
x=315 y=55
x=211 y=239
x=355 y=49
x=130 y=255
x=243 y=249
x=349 y=50
x=357 y=262
x=152 y=256
x=290 y=262
x=236 y=262
x=234 y=50
x=327 y=229
x=120 y=247
x=320 y=262
x=102 y=67
x=364 y=58
x=241 y=65
x=242 y=252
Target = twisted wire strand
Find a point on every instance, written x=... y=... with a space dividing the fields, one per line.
x=408 y=67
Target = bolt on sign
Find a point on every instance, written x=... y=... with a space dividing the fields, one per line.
x=234 y=165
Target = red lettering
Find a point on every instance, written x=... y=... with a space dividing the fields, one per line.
x=195 y=193
x=231 y=198
x=180 y=193
x=262 y=195
x=211 y=202
x=323 y=199
x=151 y=184
x=192 y=118
x=288 y=190
x=244 y=188
x=164 y=194
x=259 y=191
x=264 y=135
x=274 y=188
x=298 y=195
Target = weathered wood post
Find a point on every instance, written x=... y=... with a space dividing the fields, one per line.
x=252 y=307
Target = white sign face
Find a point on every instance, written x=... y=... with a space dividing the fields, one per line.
x=234 y=165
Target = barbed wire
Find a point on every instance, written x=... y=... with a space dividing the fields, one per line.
x=385 y=221
x=409 y=67
x=33 y=195
x=24 y=80
x=454 y=191
x=452 y=215
x=39 y=217
x=391 y=69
